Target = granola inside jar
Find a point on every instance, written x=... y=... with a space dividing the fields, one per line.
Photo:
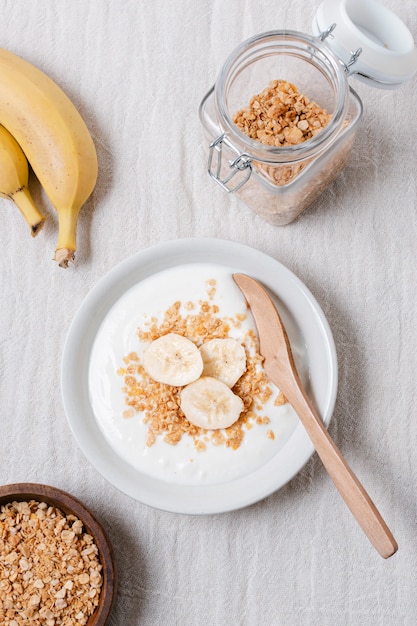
x=276 y=178
x=281 y=118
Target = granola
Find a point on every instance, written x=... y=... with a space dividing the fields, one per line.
x=281 y=116
x=160 y=404
x=50 y=572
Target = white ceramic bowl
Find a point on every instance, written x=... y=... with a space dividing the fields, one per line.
x=299 y=306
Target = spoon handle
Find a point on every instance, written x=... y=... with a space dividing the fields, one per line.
x=345 y=480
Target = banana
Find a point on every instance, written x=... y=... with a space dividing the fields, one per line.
x=55 y=140
x=211 y=404
x=14 y=173
x=224 y=359
x=173 y=359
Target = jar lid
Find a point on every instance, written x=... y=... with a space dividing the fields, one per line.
x=369 y=39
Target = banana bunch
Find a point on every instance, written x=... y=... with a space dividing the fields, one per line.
x=206 y=376
x=39 y=124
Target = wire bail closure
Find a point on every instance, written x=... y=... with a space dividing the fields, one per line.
x=354 y=55
x=239 y=164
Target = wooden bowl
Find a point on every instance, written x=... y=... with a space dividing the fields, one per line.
x=69 y=505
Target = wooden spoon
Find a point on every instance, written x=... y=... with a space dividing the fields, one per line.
x=280 y=368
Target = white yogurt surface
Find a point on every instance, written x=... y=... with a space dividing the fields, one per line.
x=117 y=337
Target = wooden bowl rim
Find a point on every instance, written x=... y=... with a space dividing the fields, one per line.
x=71 y=505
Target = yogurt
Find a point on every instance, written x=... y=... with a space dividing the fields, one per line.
x=117 y=337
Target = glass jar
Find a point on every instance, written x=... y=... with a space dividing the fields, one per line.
x=279 y=182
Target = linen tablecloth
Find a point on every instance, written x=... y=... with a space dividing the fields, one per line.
x=137 y=72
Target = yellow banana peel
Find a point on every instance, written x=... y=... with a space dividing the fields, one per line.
x=55 y=140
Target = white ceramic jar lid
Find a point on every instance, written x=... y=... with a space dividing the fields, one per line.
x=370 y=40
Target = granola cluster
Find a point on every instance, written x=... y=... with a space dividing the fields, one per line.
x=160 y=403
x=281 y=116
x=50 y=573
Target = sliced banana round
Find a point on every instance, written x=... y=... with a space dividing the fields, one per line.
x=224 y=359
x=209 y=403
x=173 y=359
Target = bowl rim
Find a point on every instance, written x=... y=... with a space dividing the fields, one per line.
x=69 y=504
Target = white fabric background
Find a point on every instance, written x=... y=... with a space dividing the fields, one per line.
x=137 y=71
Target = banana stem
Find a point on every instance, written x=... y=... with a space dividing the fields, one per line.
x=67 y=236
x=29 y=210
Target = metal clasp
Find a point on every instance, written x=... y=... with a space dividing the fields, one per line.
x=239 y=164
x=354 y=55
x=328 y=32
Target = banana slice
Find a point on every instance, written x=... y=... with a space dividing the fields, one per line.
x=209 y=403
x=174 y=360
x=224 y=359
